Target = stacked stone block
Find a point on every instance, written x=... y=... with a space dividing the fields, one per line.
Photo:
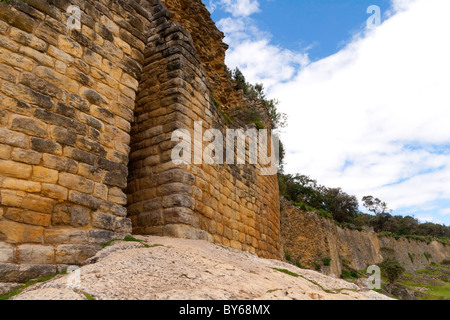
x=76 y=105
x=66 y=106
x=231 y=205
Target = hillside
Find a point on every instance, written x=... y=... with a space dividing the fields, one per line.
x=164 y=268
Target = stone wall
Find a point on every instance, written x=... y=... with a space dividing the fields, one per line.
x=309 y=238
x=227 y=204
x=75 y=105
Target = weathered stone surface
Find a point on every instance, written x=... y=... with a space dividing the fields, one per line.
x=31 y=271
x=74 y=182
x=85 y=112
x=70 y=215
x=84 y=199
x=14 y=232
x=26 y=156
x=65 y=235
x=14 y=169
x=35 y=254
x=28 y=217
x=7 y=287
x=6 y=253
x=74 y=254
x=100 y=236
x=9 y=272
x=104 y=221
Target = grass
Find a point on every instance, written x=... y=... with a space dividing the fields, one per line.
x=292 y=274
x=88 y=296
x=27 y=284
x=431 y=283
x=131 y=239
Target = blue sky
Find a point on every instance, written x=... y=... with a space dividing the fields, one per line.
x=368 y=108
x=323 y=25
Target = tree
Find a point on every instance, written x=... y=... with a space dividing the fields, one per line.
x=392 y=269
x=341 y=205
x=375 y=205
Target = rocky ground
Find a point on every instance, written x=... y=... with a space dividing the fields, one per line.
x=164 y=268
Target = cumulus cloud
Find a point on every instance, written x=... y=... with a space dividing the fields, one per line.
x=260 y=61
x=238 y=8
x=372 y=118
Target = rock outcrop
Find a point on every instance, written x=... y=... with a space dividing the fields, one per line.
x=192 y=270
x=309 y=238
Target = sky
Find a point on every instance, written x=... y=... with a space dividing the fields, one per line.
x=367 y=95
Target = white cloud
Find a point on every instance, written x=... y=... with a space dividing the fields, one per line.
x=238 y=8
x=258 y=59
x=367 y=117
x=376 y=105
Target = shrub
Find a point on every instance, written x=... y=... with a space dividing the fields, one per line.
x=392 y=269
x=349 y=274
x=327 y=261
x=446 y=262
x=288 y=256
x=317 y=266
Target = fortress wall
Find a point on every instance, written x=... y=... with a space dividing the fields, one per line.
x=231 y=205
x=67 y=99
x=74 y=103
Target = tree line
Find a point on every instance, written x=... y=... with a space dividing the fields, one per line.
x=344 y=208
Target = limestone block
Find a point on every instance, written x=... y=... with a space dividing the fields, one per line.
x=42 y=174
x=54 y=191
x=65 y=235
x=9 y=272
x=26 y=156
x=74 y=254
x=35 y=254
x=6 y=253
x=28 y=216
x=31 y=271
x=24 y=185
x=15 y=169
x=14 y=232
x=75 y=182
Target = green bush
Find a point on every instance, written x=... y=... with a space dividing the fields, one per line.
x=392 y=269
x=288 y=256
x=317 y=266
x=327 y=261
x=349 y=274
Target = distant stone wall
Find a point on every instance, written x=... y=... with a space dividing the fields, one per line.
x=75 y=103
x=309 y=238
